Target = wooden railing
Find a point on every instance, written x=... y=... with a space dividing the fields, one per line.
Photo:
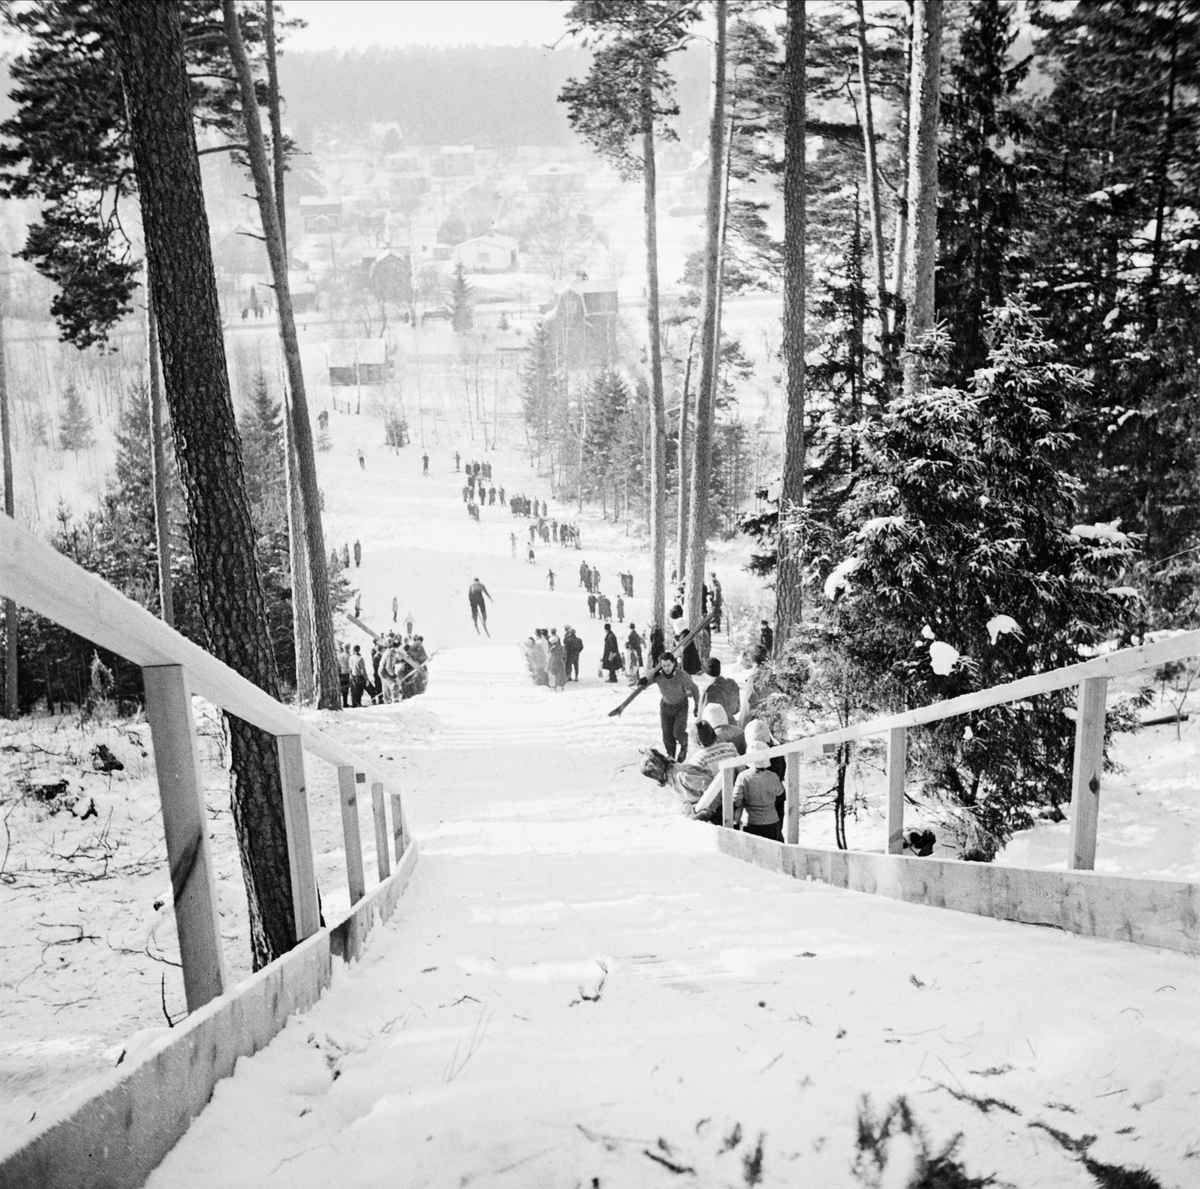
x=173 y=669
x=1091 y=677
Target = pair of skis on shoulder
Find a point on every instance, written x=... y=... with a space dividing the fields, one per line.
x=680 y=644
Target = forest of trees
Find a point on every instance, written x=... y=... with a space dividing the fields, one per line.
x=989 y=263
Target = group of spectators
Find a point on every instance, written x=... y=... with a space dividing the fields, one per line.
x=395 y=670
x=553 y=661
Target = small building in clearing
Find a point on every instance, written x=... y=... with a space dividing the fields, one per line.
x=321 y=214
x=357 y=361
x=487 y=253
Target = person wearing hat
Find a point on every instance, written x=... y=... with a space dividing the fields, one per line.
x=610 y=658
x=675 y=687
x=726 y=732
x=755 y=792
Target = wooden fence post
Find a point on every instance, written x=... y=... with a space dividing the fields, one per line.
x=381 y=834
x=398 y=839
x=1085 y=775
x=348 y=788
x=897 y=761
x=185 y=823
x=728 y=776
x=791 y=810
x=299 y=836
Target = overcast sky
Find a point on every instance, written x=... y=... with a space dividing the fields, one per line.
x=357 y=24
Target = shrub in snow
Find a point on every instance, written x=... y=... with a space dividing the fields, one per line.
x=956 y=569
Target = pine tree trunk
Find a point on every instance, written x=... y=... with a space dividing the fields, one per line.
x=900 y=232
x=158 y=467
x=788 y=593
x=873 y=204
x=658 y=434
x=702 y=449
x=11 y=703
x=301 y=588
x=325 y=670
x=682 y=468
x=924 y=100
x=220 y=530
x=302 y=617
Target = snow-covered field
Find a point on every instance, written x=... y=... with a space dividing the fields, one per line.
x=577 y=989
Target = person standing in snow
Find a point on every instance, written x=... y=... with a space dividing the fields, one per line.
x=358 y=676
x=755 y=792
x=722 y=691
x=345 y=557
x=550 y=575
x=675 y=688
x=572 y=646
x=424 y=464
x=556 y=662
x=408 y=624
x=343 y=664
x=512 y=537
x=362 y=461
x=620 y=609
x=457 y=460
x=592 y=605
x=357 y=554
x=633 y=647
x=611 y=657
x=766 y=637
x=475 y=595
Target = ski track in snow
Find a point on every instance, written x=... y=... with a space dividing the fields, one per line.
x=575 y=977
x=576 y=985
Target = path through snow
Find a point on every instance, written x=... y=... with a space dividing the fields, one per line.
x=578 y=990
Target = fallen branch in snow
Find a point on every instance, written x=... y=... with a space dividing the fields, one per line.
x=983 y=1104
x=163 y=990
x=455 y=1067
x=681 y=1169
x=594 y=997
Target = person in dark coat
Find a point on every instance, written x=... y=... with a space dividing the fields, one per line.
x=572 y=647
x=657 y=646
x=592 y=605
x=611 y=657
x=766 y=637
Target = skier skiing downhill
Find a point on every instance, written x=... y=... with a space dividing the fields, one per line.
x=475 y=594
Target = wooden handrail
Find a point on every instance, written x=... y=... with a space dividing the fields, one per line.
x=1112 y=664
x=39 y=577
x=1090 y=676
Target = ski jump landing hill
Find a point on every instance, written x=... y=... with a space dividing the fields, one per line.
x=116 y=1135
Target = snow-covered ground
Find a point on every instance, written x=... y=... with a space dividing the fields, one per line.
x=577 y=985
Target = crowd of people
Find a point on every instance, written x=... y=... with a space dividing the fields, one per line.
x=395 y=670
x=553 y=661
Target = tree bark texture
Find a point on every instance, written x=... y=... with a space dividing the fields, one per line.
x=873 y=204
x=158 y=466
x=301 y=604
x=207 y=446
x=325 y=671
x=302 y=615
x=900 y=231
x=924 y=101
x=658 y=432
x=788 y=593
x=11 y=704
x=702 y=447
x=681 y=464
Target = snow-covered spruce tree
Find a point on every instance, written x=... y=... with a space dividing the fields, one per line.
x=952 y=566
x=462 y=304
x=75 y=426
